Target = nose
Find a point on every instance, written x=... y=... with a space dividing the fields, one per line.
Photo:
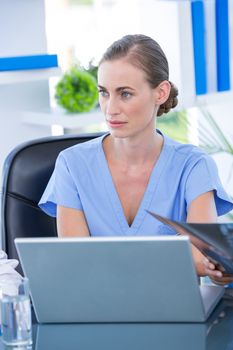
x=112 y=106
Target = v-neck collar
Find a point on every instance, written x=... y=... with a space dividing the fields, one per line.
x=147 y=197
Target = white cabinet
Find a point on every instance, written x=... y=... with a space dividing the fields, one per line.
x=19 y=91
x=22 y=76
x=59 y=117
x=22 y=33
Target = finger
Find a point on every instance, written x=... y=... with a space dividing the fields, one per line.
x=214 y=273
x=220 y=267
x=213 y=261
x=222 y=281
x=208 y=264
x=218 y=281
x=227 y=275
x=227 y=280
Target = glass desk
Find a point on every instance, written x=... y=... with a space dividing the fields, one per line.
x=215 y=334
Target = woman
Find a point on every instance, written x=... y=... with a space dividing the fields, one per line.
x=103 y=187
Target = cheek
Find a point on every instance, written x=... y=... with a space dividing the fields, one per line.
x=141 y=109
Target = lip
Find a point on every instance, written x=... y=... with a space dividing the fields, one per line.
x=115 y=123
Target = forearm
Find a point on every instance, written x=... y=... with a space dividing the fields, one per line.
x=71 y=223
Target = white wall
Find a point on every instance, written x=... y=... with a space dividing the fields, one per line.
x=22 y=32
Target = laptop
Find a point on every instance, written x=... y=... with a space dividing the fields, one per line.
x=115 y=279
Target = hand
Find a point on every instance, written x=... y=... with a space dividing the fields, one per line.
x=225 y=279
x=204 y=266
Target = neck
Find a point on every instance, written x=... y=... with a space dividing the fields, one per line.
x=134 y=150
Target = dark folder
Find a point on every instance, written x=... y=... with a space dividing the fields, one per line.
x=213 y=240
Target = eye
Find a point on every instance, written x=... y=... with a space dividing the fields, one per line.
x=103 y=93
x=126 y=94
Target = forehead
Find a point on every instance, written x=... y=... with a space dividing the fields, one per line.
x=120 y=73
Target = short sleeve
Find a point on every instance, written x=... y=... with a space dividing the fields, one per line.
x=60 y=190
x=203 y=177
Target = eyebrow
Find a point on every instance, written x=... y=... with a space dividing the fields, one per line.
x=117 y=89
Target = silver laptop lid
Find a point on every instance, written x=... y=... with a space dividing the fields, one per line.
x=116 y=279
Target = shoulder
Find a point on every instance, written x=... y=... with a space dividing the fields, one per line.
x=188 y=153
x=84 y=150
x=80 y=158
x=186 y=158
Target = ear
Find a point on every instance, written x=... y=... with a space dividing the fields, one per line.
x=162 y=92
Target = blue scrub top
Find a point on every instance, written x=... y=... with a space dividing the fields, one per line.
x=82 y=180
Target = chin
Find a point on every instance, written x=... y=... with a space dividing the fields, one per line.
x=119 y=134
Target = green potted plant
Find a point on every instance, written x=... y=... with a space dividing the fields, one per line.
x=77 y=91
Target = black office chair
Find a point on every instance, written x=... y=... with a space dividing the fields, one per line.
x=26 y=172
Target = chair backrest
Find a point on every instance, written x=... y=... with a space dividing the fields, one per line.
x=26 y=172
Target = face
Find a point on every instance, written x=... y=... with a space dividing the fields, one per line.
x=126 y=98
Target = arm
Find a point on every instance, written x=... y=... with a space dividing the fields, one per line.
x=202 y=209
x=71 y=223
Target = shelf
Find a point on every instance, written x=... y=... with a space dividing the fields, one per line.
x=214 y=98
x=64 y=119
x=20 y=76
x=41 y=61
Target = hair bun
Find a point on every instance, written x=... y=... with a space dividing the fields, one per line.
x=171 y=102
